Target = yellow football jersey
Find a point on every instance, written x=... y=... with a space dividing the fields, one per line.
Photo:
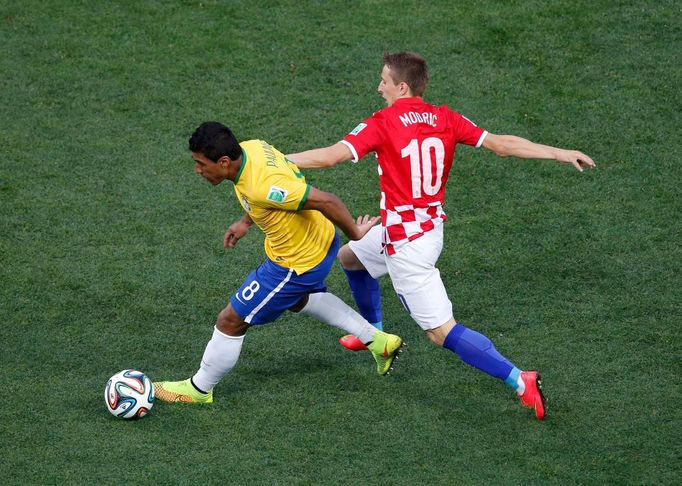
x=272 y=191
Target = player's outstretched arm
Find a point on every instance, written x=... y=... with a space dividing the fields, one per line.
x=336 y=211
x=510 y=145
x=321 y=157
x=237 y=230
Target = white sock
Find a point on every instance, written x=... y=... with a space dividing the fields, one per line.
x=328 y=308
x=220 y=356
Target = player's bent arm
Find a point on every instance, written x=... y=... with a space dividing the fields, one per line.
x=510 y=145
x=335 y=211
x=246 y=219
x=237 y=231
x=321 y=157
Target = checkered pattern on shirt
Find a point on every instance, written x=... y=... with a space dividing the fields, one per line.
x=406 y=223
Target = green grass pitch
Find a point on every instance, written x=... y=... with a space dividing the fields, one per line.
x=111 y=247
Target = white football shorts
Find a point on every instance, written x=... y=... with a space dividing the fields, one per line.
x=413 y=273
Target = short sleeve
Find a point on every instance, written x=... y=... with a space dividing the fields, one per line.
x=467 y=132
x=284 y=193
x=364 y=138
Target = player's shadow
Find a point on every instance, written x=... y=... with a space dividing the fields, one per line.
x=330 y=371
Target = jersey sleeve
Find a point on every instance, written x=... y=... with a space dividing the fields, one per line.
x=279 y=192
x=466 y=131
x=364 y=138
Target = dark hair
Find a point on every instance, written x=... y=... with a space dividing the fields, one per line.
x=215 y=140
x=410 y=68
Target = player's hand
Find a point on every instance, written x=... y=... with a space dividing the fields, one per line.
x=234 y=233
x=577 y=159
x=366 y=223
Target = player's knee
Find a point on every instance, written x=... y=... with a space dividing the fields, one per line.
x=435 y=337
x=230 y=323
x=348 y=259
x=438 y=334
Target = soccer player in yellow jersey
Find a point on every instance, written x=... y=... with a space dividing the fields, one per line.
x=300 y=243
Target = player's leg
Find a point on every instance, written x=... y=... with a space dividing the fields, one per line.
x=314 y=300
x=363 y=263
x=476 y=350
x=220 y=356
x=329 y=309
x=365 y=288
x=479 y=351
x=419 y=286
x=255 y=302
x=223 y=350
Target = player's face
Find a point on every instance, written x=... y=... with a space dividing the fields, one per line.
x=387 y=87
x=213 y=172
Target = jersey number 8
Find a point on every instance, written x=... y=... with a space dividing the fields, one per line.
x=250 y=290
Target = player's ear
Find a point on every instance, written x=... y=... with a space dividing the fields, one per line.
x=224 y=161
x=404 y=88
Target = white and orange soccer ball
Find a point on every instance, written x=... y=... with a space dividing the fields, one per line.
x=129 y=394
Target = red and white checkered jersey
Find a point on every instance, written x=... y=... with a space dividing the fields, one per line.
x=415 y=146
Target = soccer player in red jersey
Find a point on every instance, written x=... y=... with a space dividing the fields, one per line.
x=415 y=143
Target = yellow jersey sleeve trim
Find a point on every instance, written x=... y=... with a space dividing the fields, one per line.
x=304 y=198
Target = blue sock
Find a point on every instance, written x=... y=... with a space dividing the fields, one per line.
x=478 y=351
x=367 y=295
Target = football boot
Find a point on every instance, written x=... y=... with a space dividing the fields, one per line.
x=532 y=396
x=180 y=392
x=385 y=349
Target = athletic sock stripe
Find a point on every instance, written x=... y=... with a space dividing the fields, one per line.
x=270 y=296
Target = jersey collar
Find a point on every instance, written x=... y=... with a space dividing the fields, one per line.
x=411 y=99
x=236 y=178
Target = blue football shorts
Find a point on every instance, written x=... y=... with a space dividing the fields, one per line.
x=271 y=289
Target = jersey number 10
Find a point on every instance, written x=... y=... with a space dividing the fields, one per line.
x=422 y=165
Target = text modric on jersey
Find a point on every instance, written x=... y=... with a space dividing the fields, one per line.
x=412 y=117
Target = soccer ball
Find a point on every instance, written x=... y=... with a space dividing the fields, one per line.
x=129 y=394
